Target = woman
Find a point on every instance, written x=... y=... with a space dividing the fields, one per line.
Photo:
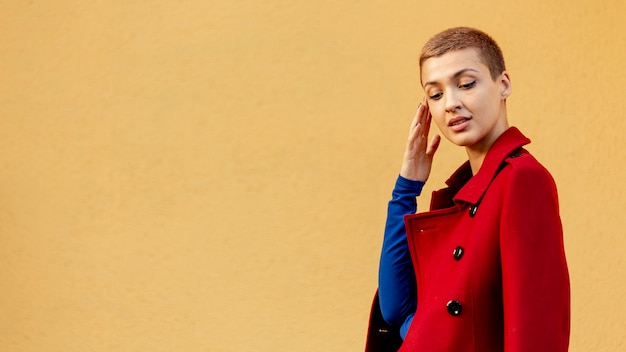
x=485 y=268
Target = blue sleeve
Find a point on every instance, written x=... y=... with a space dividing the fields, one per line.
x=396 y=278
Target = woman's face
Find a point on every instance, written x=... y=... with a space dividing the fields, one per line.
x=465 y=102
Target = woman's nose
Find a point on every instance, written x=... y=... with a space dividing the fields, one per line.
x=453 y=102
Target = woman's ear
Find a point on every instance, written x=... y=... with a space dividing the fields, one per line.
x=505 y=85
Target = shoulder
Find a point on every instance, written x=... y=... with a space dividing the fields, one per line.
x=523 y=172
x=523 y=164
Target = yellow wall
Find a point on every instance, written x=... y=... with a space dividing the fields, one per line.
x=213 y=176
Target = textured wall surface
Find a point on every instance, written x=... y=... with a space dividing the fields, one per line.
x=213 y=175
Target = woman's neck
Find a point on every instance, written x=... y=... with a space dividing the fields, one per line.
x=477 y=152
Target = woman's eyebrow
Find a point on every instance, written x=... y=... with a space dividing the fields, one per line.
x=456 y=75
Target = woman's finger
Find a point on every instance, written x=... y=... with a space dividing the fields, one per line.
x=433 y=145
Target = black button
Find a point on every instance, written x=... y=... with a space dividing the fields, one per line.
x=473 y=210
x=458 y=253
x=454 y=307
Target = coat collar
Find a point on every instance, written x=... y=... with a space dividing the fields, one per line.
x=471 y=188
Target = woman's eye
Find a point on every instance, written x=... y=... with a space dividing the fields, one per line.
x=468 y=85
x=436 y=96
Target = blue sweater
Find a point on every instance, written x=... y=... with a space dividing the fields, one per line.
x=396 y=278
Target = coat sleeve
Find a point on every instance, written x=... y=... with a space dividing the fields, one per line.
x=535 y=279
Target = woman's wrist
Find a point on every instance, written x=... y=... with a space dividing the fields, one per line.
x=414 y=185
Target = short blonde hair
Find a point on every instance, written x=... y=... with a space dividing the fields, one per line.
x=459 y=38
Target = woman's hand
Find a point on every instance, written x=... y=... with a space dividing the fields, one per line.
x=418 y=155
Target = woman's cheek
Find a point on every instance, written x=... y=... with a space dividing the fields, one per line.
x=439 y=119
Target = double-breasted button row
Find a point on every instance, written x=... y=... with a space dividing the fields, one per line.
x=455 y=307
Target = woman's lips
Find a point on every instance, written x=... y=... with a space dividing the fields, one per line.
x=460 y=123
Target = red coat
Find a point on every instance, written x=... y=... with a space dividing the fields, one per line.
x=489 y=259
